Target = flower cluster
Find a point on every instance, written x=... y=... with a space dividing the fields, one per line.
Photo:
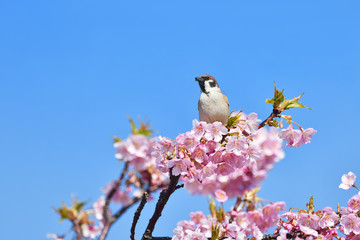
x=139 y=175
x=296 y=138
x=136 y=150
x=82 y=219
x=326 y=223
x=231 y=225
x=248 y=220
x=212 y=157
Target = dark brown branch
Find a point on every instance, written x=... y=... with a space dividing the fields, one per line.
x=179 y=186
x=273 y=115
x=77 y=228
x=137 y=215
x=112 y=192
x=291 y=235
x=164 y=197
x=122 y=210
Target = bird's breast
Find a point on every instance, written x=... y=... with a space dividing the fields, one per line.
x=213 y=107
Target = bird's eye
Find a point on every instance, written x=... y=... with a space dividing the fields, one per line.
x=206 y=78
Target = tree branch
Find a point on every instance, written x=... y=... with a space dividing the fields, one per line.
x=164 y=197
x=273 y=115
x=122 y=210
x=112 y=192
x=137 y=215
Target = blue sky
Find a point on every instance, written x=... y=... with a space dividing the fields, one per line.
x=70 y=72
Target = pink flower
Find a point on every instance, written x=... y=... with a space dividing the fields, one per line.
x=207 y=171
x=308 y=220
x=98 y=207
x=215 y=131
x=308 y=231
x=179 y=166
x=119 y=196
x=306 y=136
x=212 y=146
x=236 y=144
x=197 y=217
x=90 y=231
x=194 y=235
x=221 y=196
x=166 y=144
x=291 y=136
x=199 y=154
x=198 y=129
x=257 y=233
x=188 y=140
x=251 y=125
x=224 y=169
x=351 y=223
x=329 y=218
x=347 y=180
x=354 y=203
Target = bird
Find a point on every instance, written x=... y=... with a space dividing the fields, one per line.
x=213 y=105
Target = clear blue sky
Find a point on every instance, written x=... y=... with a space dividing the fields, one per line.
x=70 y=72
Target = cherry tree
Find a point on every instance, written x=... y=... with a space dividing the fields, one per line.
x=227 y=162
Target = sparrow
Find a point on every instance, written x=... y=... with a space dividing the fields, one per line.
x=213 y=105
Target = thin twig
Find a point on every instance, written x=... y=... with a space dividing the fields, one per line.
x=122 y=210
x=137 y=215
x=164 y=197
x=112 y=192
x=77 y=229
x=273 y=115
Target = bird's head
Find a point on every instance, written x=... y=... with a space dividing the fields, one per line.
x=207 y=83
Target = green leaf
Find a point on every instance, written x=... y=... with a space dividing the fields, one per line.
x=293 y=103
x=215 y=231
x=64 y=212
x=144 y=128
x=278 y=97
x=232 y=121
x=212 y=207
x=78 y=205
x=310 y=206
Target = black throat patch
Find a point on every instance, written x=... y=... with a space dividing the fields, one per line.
x=202 y=87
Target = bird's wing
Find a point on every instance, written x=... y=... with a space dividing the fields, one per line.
x=226 y=99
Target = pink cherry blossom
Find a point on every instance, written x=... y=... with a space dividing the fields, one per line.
x=305 y=137
x=221 y=196
x=347 y=181
x=236 y=144
x=207 y=171
x=179 y=166
x=351 y=223
x=329 y=218
x=215 y=131
x=308 y=231
x=354 y=203
x=291 y=136
x=251 y=125
x=308 y=220
x=198 y=129
x=98 y=207
x=119 y=197
x=90 y=231
x=199 y=154
x=197 y=217
x=195 y=235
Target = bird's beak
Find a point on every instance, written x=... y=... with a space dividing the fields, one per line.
x=199 y=79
